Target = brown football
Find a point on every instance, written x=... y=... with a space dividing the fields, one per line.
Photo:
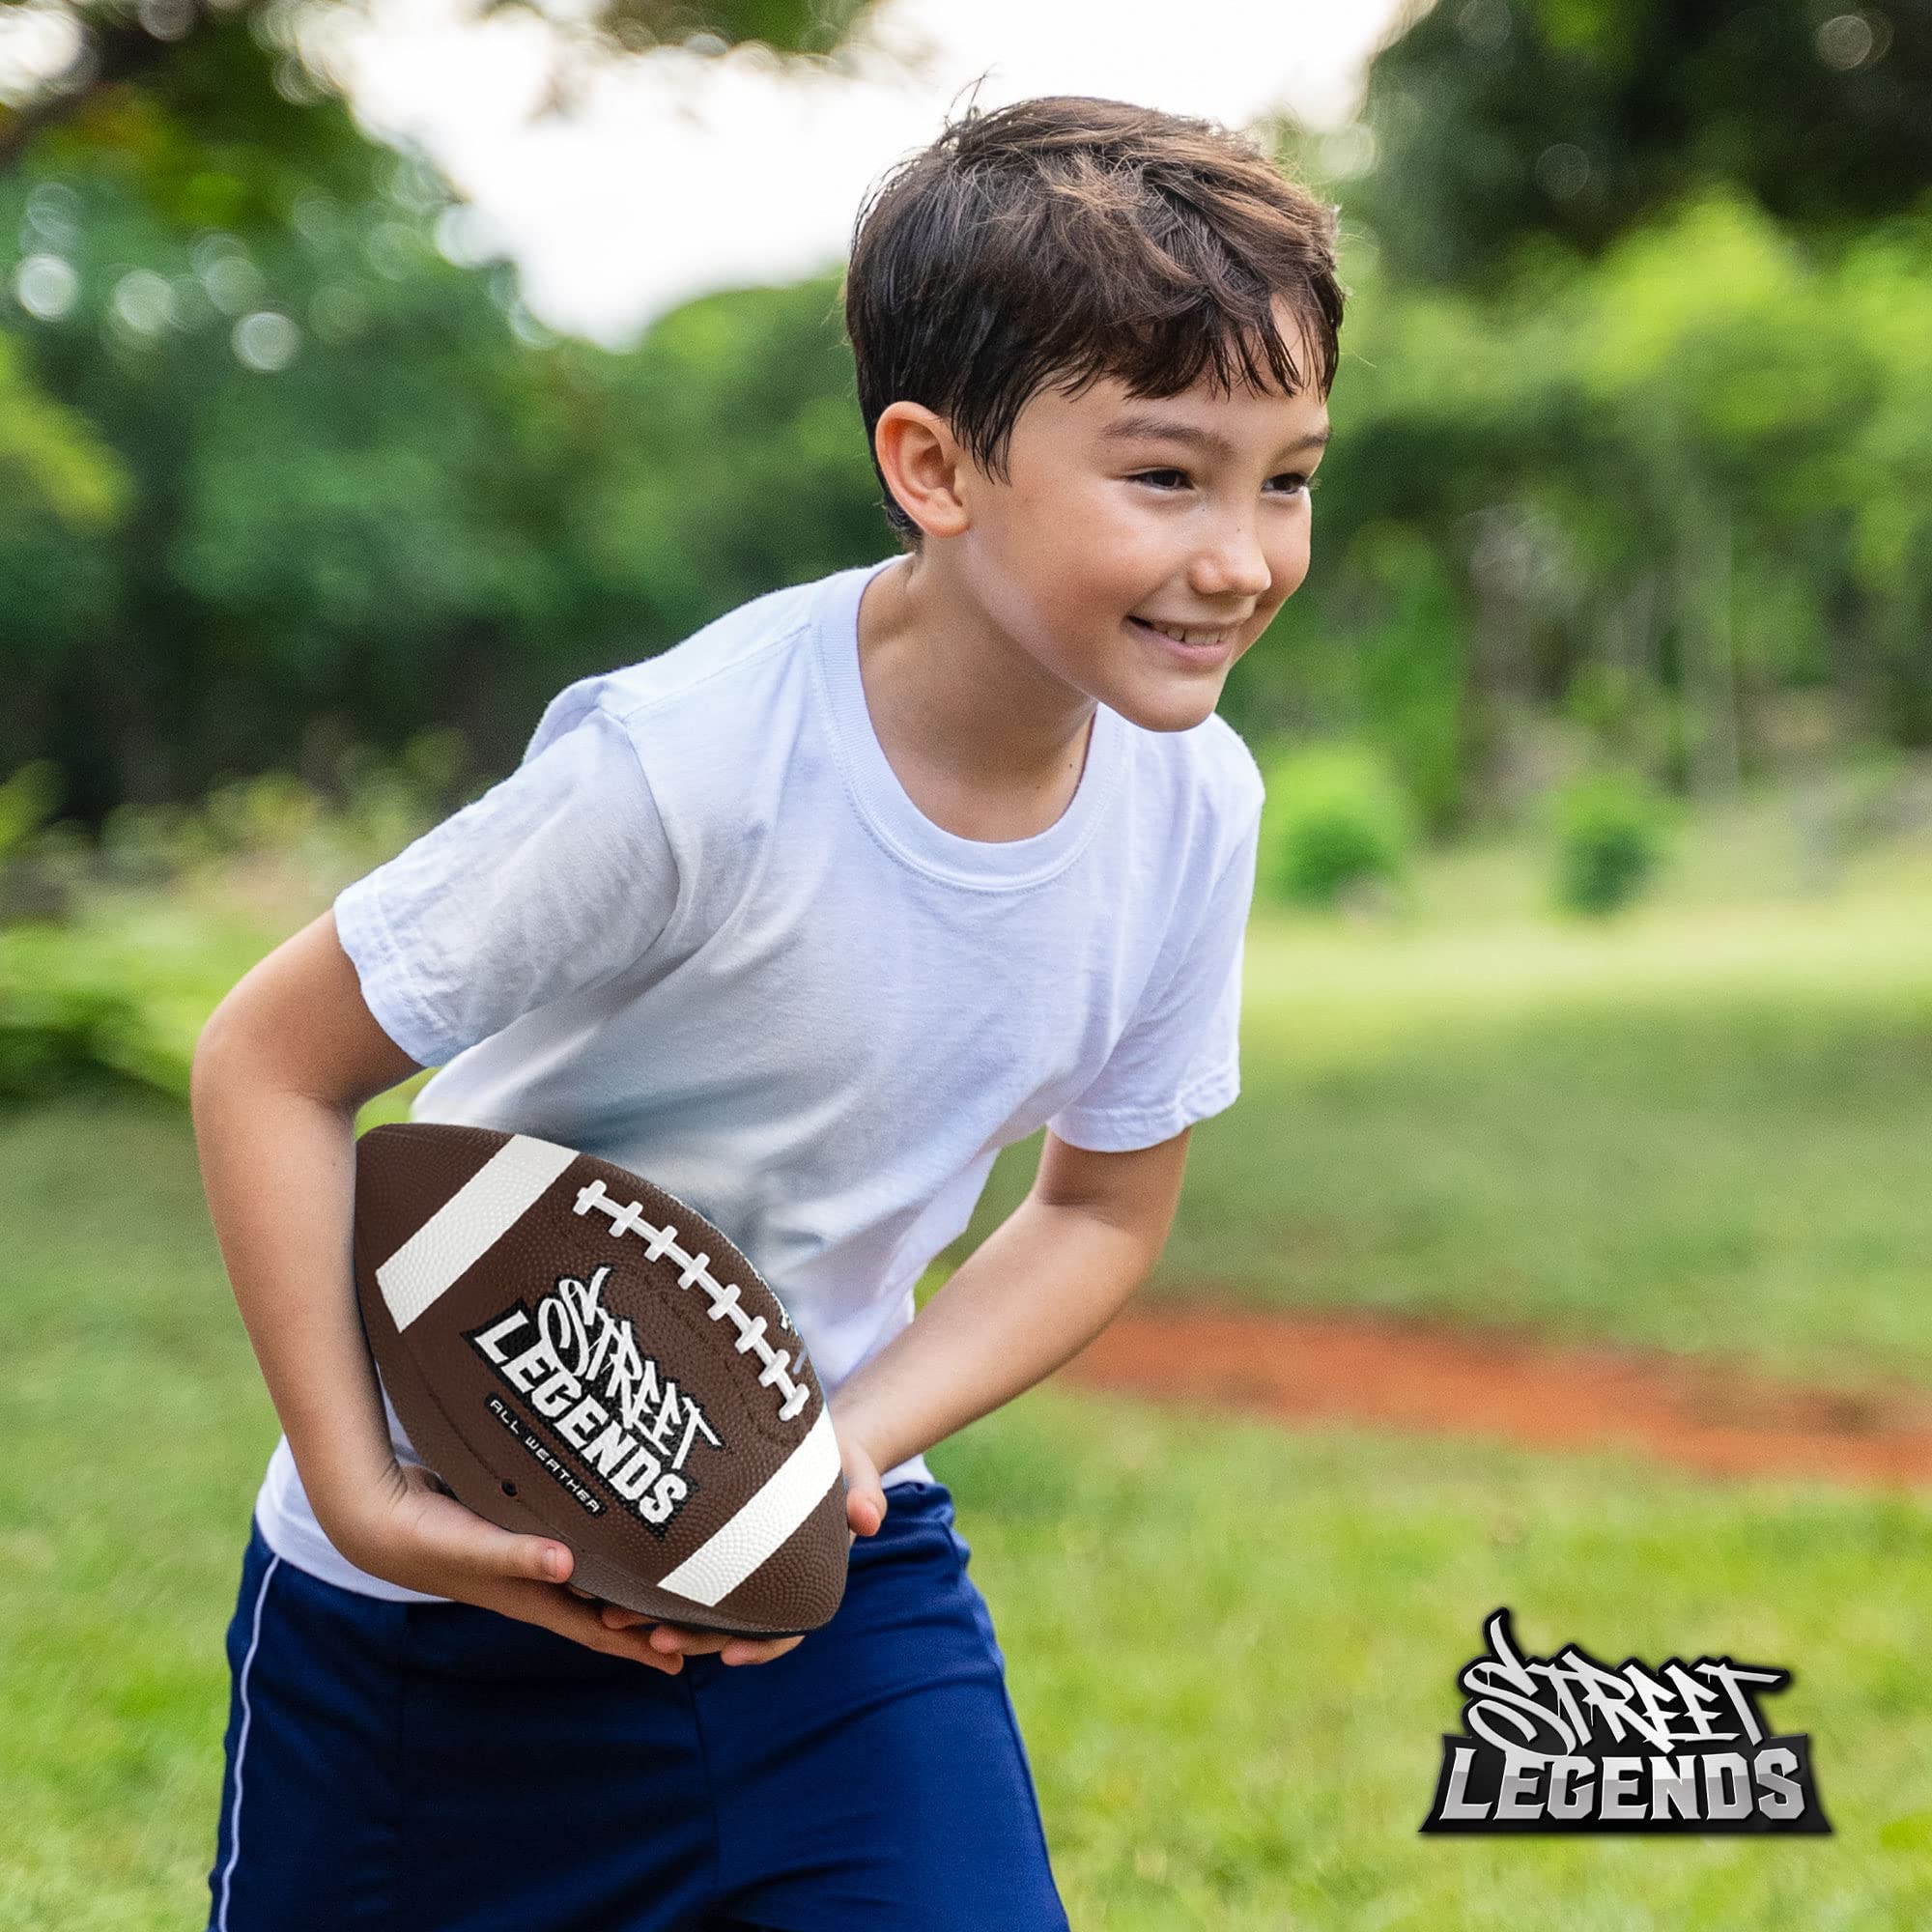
x=579 y=1355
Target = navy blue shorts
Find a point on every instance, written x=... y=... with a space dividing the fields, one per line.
x=442 y=1768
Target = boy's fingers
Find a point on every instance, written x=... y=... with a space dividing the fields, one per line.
x=529 y=1557
x=691 y=1642
x=672 y=1640
x=759 y=1650
x=614 y=1643
x=455 y=1552
x=457 y=1535
x=663 y=1637
x=571 y=1617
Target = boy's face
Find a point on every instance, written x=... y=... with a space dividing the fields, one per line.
x=1119 y=522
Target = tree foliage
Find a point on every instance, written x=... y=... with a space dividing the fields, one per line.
x=122 y=84
x=1503 y=123
x=288 y=467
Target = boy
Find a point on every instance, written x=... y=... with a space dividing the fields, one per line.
x=804 y=919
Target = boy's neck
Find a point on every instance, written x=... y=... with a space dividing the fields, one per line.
x=989 y=743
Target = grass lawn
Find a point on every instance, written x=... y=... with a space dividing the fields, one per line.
x=1233 y=1651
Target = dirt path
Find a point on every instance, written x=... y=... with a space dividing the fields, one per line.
x=1439 y=1380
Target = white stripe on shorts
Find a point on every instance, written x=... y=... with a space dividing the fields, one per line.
x=241 y=1747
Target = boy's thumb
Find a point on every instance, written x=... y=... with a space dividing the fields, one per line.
x=551 y=1561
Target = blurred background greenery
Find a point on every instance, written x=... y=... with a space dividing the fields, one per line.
x=1590 y=982
x=1633 y=462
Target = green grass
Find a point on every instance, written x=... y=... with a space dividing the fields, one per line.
x=1233 y=1651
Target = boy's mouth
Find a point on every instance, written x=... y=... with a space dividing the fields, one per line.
x=1197 y=646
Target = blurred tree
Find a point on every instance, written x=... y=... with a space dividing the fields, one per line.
x=218 y=267
x=366 y=492
x=108 y=87
x=52 y=464
x=1499 y=120
x=285 y=465
x=1673 y=502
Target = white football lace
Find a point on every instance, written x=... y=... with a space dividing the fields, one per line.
x=629 y=1220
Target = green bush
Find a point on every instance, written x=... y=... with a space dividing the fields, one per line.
x=1335 y=819
x=60 y=1027
x=27 y=800
x=1611 y=830
x=115 y=981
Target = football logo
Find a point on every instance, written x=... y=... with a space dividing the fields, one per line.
x=581 y=1370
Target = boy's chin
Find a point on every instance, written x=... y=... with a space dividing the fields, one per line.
x=1177 y=706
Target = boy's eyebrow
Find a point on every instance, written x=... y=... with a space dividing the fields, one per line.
x=1137 y=424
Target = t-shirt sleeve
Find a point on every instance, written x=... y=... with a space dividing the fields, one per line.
x=1179 y=1059
x=556 y=880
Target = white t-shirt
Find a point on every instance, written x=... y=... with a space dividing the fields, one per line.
x=703 y=931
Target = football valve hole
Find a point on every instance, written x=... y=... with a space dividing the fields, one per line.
x=510 y=1489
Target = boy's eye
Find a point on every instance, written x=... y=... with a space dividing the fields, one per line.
x=1297 y=481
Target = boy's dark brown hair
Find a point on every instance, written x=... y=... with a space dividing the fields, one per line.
x=1062 y=239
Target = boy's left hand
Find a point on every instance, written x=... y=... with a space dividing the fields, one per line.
x=864 y=1511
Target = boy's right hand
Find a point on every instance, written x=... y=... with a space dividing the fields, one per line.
x=412 y=1531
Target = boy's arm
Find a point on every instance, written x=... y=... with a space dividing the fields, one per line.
x=1031 y=1296
x=279 y=1072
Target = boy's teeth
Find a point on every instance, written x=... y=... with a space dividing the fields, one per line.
x=1185 y=637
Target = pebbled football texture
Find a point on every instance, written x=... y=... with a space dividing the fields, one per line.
x=579 y=1355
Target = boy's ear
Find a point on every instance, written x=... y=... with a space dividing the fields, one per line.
x=924 y=466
